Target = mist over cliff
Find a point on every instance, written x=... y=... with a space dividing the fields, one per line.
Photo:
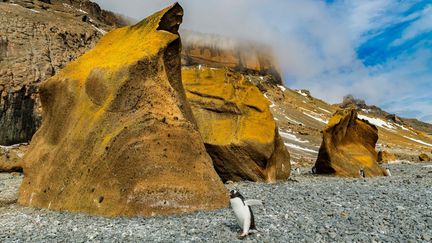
x=332 y=48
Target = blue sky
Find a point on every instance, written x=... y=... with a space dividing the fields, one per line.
x=377 y=50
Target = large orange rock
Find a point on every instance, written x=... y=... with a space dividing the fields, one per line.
x=118 y=136
x=348 y=146
x=236 y=124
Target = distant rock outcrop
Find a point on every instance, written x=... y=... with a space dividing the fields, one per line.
x=350 y=102
x=236 y=124
x=385 y=157
x=118 y=136
x=348 y=146
x=424 y=158
x=37 y=39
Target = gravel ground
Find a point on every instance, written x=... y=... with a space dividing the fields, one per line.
x=307 y=208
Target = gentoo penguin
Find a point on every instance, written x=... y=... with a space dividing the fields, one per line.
x=243 y=212
x=314 y=170
x=362 y=173
x=388 y=172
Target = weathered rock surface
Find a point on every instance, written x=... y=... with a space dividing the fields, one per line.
x=385 y=156
x=348 y=146
x=35 y=43
x=237 y=126
x=424 y=158
x=118 y=136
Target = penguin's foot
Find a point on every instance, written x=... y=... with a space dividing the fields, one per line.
x=242 y=236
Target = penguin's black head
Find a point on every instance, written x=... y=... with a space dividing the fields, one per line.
x=235 y=193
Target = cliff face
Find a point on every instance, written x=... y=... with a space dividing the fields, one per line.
x=35 y=43
x=242 y=56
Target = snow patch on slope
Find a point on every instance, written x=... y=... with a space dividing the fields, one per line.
x=317 y=118
x=291 y=137
x=301 y=93
x=325 y=110
x=103 y=32
x=418 y=141
x=272 y=104
x=282 y=88
x=377 y=122
x=82 y=11
x=296 y=147
x=292 y=120
x=12 y=146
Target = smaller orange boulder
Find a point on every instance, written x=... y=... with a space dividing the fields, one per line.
x=348 y=147
x=424 y=158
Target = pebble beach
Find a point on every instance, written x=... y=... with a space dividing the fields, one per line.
x=307 y=208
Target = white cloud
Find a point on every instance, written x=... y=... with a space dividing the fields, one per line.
x=315 y=42
x=421 y=25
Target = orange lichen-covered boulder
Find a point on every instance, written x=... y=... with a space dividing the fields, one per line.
x=424 y=157
x=348 y=146
x=236 y=124
x=118 y=136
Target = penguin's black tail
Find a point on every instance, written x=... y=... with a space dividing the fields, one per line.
x=252 y=225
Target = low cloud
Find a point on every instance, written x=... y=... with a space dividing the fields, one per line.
x=317 y=43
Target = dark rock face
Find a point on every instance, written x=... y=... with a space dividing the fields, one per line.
x=35 y=43
x=18 y=118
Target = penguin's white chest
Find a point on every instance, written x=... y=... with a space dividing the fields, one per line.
x=241 y=212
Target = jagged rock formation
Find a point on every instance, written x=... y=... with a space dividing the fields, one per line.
x=35 y=43
x=236 y=124
x=359 y=104
x=348 y=146
x=118 y=136
x=216 y=51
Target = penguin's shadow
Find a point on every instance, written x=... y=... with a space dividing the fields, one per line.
x=233 y=227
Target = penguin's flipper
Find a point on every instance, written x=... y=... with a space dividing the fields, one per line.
x=253 y=202
x=252 y=224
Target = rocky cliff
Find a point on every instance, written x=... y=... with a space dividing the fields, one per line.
x=35 y=43
x=243 y=56
x=118 y=136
